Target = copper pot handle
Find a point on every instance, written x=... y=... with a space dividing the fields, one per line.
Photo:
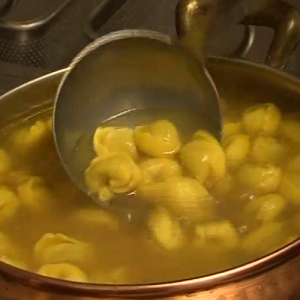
x=276 y=14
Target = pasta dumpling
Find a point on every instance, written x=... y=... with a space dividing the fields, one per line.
x=159 y=169
x=220 y=234
x=159 y=139
x=182 y=195
x=290 y=187
x=236 y=148
x=9 y=204
x=116 y=173
x=259 y=178
x=35 y=195
x=59 y=248
x=268 y=150
x=204 y=158
x=31 y=137
x=262 y=119
x=14 y=262
x=232 y=128
x=114 y=139
x=63 y=271
x=224 y=186
x=166 y=230
x=265 y=239
x=266 y=208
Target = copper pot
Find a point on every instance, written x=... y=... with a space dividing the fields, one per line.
x=273 y=277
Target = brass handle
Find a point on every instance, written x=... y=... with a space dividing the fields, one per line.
x=285 y=20
x=276 y=14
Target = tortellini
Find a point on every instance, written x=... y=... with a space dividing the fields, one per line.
x=236 y=148
x=159 y=169
x=59 y=248
x=268 y=237
x=224 y=187
x=219 y=234
x=63 y=271
x=116 y=173
x=259 y=178
x=262 y=119
x=266 y=208
x=166 y=230
x=290 y=187
x=159 y=139
x=31 y=137
x=114 y=139
x=35 y=195
x=184 y=196
x=268 y=150
x=232 y=128
x=9 y=204
x=204 y=158
x=14 y=262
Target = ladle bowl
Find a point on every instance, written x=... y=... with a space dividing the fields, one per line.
x=124 y=71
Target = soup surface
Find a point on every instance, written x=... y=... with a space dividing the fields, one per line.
x=213 y=207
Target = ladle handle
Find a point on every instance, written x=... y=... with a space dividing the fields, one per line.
x=194 y=15
x=201 y=22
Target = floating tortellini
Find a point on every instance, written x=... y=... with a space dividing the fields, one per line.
x=116 y=173
x=31 y=137
x=268 y=150
x=97 y=218
x=159 y=169
x=221 y=234
x=290 y=187
x=159 y=139
x=63 y=271
x=262 y=119
x=9 y=204
x=59 y=248
x=224 y=187
x=166 y=230
x=114 y=139
x=35 y=195
x=5 y=163
x=236 y=148
x=266 y=208
x=267 y=238
x=184 y=196
x=259 y=178
x=232 y=128
x=290 y=130
x=14 y=262
x=204 y=158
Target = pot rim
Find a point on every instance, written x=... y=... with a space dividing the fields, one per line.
x=30 y=279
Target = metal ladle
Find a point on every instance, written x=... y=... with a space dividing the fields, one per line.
x=137 y=69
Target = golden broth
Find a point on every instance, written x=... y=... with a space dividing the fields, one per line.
x=118 y=248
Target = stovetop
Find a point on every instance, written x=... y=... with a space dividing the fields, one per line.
x=40 y=36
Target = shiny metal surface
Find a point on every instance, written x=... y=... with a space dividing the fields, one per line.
x=275 y=277
x=124 y=71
